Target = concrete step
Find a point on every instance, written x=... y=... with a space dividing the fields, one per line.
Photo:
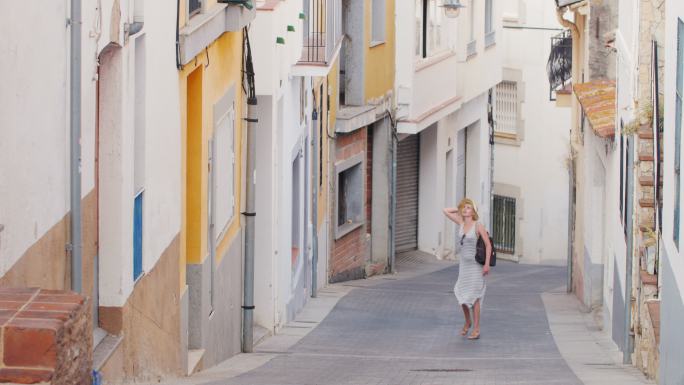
x=195 y=357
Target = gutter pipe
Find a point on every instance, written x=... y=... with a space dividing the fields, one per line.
x=75 y=147
x=248 y=302
x=314 y=210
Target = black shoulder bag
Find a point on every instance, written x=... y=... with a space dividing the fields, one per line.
x=481 y=252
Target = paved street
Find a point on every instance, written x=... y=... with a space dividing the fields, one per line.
x=403 y=329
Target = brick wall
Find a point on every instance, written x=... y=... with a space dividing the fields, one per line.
x=350 y=252
x=46 y=337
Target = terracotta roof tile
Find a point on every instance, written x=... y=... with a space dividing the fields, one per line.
x=598 y=102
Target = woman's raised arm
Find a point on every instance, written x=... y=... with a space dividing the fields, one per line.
x=453 y=214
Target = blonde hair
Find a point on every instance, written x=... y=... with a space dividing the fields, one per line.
x=468 y=201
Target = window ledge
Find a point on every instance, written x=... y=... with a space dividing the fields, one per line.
x=507 y=139
x=346 y=228
x=374 y=44
x=424 y=63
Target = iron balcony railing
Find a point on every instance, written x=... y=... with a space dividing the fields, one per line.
x=559 y=66
x=322 y=30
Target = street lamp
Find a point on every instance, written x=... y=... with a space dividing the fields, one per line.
x=452 y=8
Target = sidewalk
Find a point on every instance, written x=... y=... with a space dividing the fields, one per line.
x=403 y=329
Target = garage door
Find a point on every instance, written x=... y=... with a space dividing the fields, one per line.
x=407 y=194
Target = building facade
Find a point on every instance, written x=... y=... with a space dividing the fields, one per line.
x=530 y=209
x=443 y=152
x=671 y=266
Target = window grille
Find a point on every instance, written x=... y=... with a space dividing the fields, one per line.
x=503 y=230
x=506 y=114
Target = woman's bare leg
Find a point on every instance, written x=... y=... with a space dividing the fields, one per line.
x=476 y=319
x=466 y=315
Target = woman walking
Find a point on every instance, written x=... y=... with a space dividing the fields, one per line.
x=470 y=286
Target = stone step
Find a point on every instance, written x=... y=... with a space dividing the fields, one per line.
x=654 y=313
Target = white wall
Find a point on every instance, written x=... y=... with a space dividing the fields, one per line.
x=34 y=122
x=675 y=10
x=538 y=166
x=162 y=162
x=273 y=64
x=434 y=145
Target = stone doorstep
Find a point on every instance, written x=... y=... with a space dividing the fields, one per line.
x=33 y=327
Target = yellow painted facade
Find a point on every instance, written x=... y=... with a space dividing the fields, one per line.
x=330 y=90
x=380 y=58
x=203 y=82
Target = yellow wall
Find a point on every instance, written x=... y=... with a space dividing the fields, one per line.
x=380 y=59
x=210 y=78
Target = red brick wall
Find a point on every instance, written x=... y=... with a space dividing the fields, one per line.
x=349 y=253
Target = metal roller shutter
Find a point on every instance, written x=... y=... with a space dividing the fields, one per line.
x=408 y=158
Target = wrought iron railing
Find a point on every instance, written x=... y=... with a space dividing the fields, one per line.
x=559 y=66
x=503 y=229
x=322 y=30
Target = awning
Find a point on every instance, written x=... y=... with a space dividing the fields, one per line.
x=598 y=102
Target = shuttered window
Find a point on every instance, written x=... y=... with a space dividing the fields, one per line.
x=506 y=114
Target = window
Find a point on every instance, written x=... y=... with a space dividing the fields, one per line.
x=489 y=23
x=472 y=42
x=678 y=129
x=506 y=108
x=430 y=32
x=503 y=229
x=139 y=156
x=378 y=19
x=350 y=193
x=194 y=7
x=223 y=175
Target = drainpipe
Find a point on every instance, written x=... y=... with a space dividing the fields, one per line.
x=393 y=193
x=490 y=119
x=248 y=304
x=75 y=146
x=314 y=211
x=571 y=165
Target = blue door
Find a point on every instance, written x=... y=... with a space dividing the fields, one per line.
x=137 y=236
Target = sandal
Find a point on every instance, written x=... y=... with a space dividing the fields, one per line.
x=474 y=335
x=465 y=329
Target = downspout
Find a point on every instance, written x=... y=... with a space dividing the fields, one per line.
x=75 y=147
x=249 y=214
x=314 y=210
x=490 y=119
x=393 y=194
x=571 y=164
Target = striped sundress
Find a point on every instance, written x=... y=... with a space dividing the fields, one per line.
x=471 y=284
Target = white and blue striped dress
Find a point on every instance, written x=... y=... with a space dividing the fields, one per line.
x=471 y=284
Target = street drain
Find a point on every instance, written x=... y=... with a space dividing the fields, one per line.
x=442 y=370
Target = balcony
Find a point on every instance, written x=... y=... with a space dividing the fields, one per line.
x=322 y=36
x=559 y=66
x=206 y=25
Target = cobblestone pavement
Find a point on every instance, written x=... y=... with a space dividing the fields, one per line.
x=395 y=330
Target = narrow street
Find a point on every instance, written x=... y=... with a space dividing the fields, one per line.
x=404 y=330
